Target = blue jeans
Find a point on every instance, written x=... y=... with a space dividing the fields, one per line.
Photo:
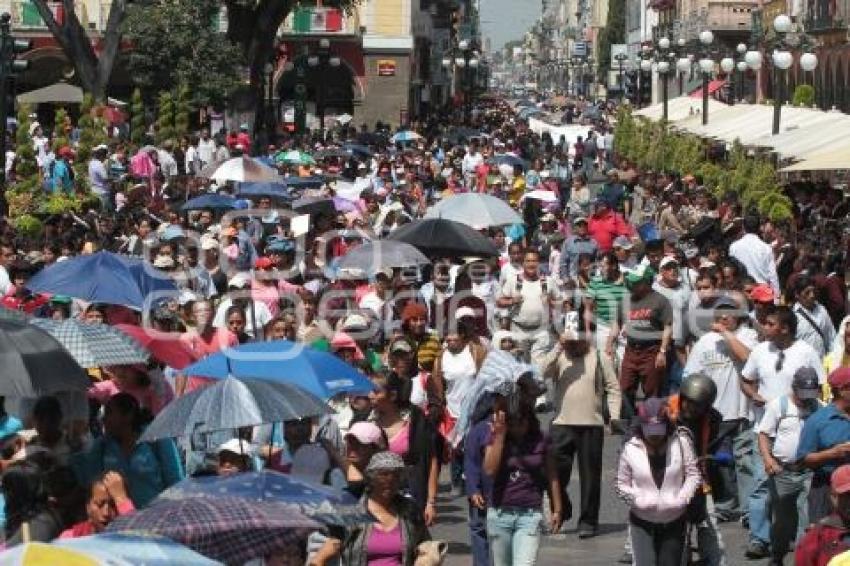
x=478 y=536
x=514 y=534
x=759 y=499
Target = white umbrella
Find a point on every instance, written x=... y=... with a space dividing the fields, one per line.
x=245 y=170
x=475 y=209
x=541 y=195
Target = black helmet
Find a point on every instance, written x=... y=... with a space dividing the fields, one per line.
x=699 y=388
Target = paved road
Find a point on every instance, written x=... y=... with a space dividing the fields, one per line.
x=567 y=549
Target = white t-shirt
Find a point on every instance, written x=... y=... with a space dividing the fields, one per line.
x=5 y=282
x=712 y=356
x=459 y=374
x=761 y=369
x=809 y=334
x=206 y=149
x=533 y=311
x=261 y=312
x=679 y=298
x=784 y=429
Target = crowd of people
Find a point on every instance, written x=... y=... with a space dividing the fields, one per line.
x=626 y=302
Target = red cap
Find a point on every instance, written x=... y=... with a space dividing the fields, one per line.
x=762 y=293
x=263 y=263
x=66 y=151
x=840 y=479
x=839 y=378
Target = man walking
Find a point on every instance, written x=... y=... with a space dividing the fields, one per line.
x=767 y=375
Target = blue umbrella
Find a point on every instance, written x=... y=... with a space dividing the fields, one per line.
x=526 y=112
x=214 y=201
x=360 y=150
x=319 y=373
x=272 y=190
x=405 y=136
x=303 y=182
x=103 y=277
x=323 y=503
x=508 y=159
x=230 y=404
x=138 y=550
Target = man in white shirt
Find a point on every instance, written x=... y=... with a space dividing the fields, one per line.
x=814 y=326
x=720 y=354
x=755 y=254
x=669 y=284
x=7 y=256
x=778 y=438
x=167 y=163
x=471 y=160
x=206 y=148
x=767 y=375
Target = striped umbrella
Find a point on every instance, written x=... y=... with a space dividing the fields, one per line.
x=93 y=345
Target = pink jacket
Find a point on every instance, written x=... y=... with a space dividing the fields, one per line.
x=681 y=480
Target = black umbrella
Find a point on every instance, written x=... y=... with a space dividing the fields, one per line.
x=439 y=237
x=314 y=205
x=331 y=153
x=34 y=363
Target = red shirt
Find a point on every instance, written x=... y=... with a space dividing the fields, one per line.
x=822 y=542
x=604 y=228
x=85 y=528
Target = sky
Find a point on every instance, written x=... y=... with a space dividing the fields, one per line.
x=504 y=20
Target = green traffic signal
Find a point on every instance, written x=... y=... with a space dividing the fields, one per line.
x=21 y=45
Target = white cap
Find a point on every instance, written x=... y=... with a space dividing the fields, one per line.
x=208 y=243
x=237 y=446
x=464 y=311
x=667 y=261
x=240 y=281
x=355 y=321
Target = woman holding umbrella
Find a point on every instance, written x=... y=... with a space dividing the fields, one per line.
x=397 y=530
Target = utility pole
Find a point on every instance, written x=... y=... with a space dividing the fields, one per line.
x=10 y=65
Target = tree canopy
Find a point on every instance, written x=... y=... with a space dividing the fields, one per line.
x=178 y=43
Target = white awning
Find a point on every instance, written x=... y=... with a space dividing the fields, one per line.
x=56 y=93
x=826 y=160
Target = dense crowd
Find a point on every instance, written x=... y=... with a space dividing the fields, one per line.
x=711 y=338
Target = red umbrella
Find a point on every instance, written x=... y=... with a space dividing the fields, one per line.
x=167 y=347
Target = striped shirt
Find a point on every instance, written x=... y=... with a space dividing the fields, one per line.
x=607 y=297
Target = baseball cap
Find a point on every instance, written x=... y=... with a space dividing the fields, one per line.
x=367 y=433
x=401 y=346
x=653 y=420
x=343 y=341
x=839 y=481
x=805 y=383
x=668 y=260
x=355 y=322
x=726 y=302
x=209 y=243
x=239 y=281
x=839 y=378
x=622 y=242
x=263 y=263
x=762 y=293
x=464 y=312
x=579 y=220
x=237 y=446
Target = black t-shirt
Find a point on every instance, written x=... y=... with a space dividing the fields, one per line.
x=644 y=320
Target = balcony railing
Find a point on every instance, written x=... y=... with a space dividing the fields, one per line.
x=320 y=21
x=730 y=16
x=825 y=25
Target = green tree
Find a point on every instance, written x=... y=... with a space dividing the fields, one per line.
x=183 y=111
x=804 y=95
x=165 y=118
x=25 y=194
x=92 y=134
x=137 y=118
x=177 y=43
x=613 y=33
x=60 y=136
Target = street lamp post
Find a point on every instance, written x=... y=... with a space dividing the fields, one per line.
x=706 y=65
x=322 y=61
x=783 y=59
x=466 y=59
x=621 y=58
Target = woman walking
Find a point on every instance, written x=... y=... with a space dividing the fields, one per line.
x=657 y=477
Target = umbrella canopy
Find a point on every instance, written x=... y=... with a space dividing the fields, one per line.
x=331 y=153
x=34 y=363
x=526 y=112
x=376 y=255
x=166 y=347
x=271 y=190
x=304 y=182
x=231 y=404
x=360 y=150
x=371 y=138
x=210 y=168
x=508 y=159
x=138 y=550
x=439 y=237
x=244 y=169
x=13 y=315
x=834 y=160
x=214 y=201
x=525 y=102
x=542 y=195
x=93 y=345
x=55 y=93
x=406 y=136
x=44 y=554
x=475 y=209
x=294 y=157
x=322 y=374
x=463 y=133
x=314 y=205
x=227 y=529
x=320 y=502
x=103 y=277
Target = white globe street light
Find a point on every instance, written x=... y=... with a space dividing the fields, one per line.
x=645 y=65
x=727 y=64
x=447 y=62
x=706 y=37
x=681 y=42
x=663 y=67
x=683 y=65
x=463 y=44
x=808 y=61
x=782 y=23
x=664 y=43
x=706 y=65
x=742 y=66
x=460 y=62
x=742 y=48
x=753 y=59
x=473 y=63
x=782 y=59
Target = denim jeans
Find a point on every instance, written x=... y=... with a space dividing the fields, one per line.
x=732 y=483
x=478 y=536
x=514 y=534
x=759 y=500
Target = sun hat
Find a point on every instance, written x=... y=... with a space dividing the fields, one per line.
x=385 y=461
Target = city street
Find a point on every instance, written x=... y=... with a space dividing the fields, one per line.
x=603 y=550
